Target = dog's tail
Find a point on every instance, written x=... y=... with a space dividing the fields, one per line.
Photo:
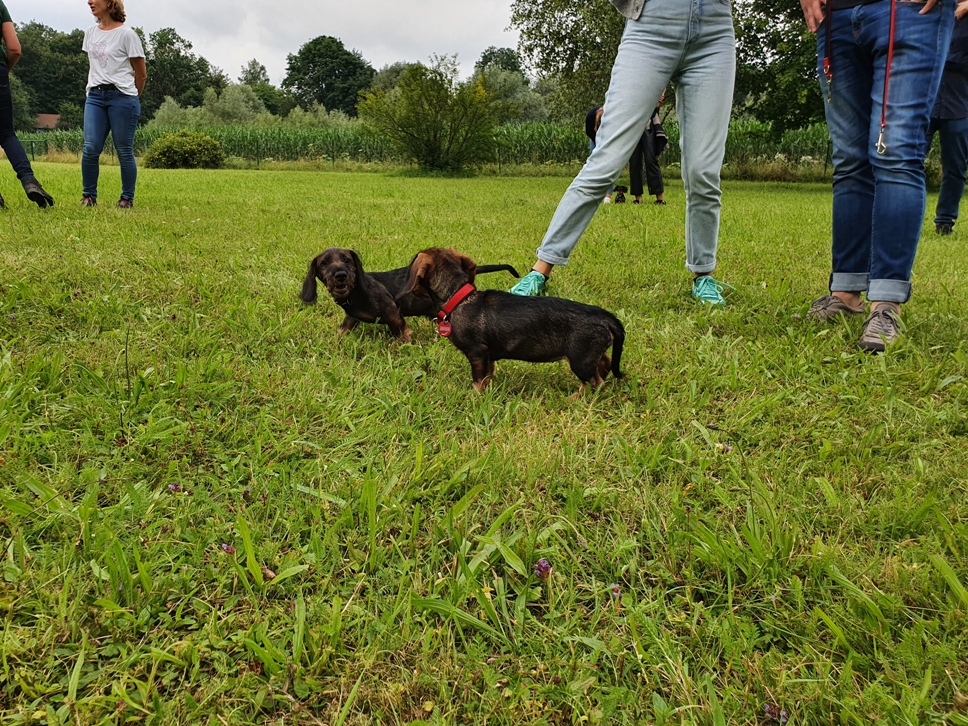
x=618 y=342
x=308 y=294
x=497 y=268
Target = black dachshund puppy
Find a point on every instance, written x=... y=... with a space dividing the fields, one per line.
x=370 y=297
x=490 y=325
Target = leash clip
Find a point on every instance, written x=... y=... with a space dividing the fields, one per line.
x=881 y=146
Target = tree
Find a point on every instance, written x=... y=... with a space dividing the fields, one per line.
x=511 y=97
x=254 y=74
x=324 y=71
x=440 y=123
x=505 y=59
x=387 y=77
x=175 y=71
x=235 y=105
x=776 y=77
x=22 y=98
x=53 y=67
x=573 y=40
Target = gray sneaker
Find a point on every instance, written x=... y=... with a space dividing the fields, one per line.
x=829 y=307
x=882 y=327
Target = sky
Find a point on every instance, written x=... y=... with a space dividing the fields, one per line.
x=230 y=33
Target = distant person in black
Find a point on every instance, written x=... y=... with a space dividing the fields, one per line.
x=645 y=157
x=950 y=120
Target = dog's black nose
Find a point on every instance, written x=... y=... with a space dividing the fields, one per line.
x=340 y=275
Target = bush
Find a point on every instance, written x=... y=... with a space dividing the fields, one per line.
x=185 y=150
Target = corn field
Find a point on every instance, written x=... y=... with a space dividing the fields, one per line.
x=749 y=142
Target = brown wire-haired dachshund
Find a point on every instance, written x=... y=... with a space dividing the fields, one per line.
x=490 y=325
x=370 y=297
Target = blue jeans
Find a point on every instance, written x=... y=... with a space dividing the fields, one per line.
x=118 y=113
x=691 y=43
x=879 y=197
x=954 y=162
x=8 y=138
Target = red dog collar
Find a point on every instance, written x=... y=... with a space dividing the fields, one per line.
x=443 y=324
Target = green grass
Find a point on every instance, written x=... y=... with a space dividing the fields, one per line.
x=213 y=510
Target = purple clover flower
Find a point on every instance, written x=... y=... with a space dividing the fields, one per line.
x=616 y=591
x=775 y=713
x=543 y=569
x=228 y=549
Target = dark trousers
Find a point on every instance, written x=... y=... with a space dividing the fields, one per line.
x=8 y=139
x=954 y=162
x=644 y=158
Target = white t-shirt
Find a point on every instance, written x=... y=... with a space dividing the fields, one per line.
x=110 y=53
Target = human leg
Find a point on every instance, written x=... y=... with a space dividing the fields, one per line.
x=8 y=137
x=920 y=46
x=653 y=174
x=954 y=162
x=647 y=56
x=848 y=111
x=123 y=114
x=96 y=128
x=637 y=169
x=704 y=92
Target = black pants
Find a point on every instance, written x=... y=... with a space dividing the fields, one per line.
x=644 y=157
x=8 y=139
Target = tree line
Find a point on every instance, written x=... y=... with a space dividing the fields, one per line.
x=568 y=45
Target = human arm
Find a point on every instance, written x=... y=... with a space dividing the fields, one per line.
x=961 y=10
x=12 y=44
x=140 y=74
x=813 y=13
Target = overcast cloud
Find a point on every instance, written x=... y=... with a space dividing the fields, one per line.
x=229 y=33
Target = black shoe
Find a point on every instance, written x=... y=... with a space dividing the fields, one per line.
x=944 y=229
x=2 y=203
x=36 y=194
x=659 y=201
x=88 y=201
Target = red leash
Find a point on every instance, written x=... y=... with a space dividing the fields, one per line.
x=443 y=324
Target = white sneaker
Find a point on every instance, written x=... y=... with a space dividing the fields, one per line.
x=607 y=200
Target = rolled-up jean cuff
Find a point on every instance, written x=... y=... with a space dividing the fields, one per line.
x=848 y=282
x=701 y=269
x=896 y=291
x=552 y=259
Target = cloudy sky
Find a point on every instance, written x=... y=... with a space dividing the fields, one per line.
x=229 y=33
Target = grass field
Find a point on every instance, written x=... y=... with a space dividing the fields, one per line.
x=213 y=510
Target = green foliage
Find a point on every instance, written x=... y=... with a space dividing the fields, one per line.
x=216 y=509
x=439 y=122
x=53 y=67
x=504 y=59
x=776 y=77
x=254 y=74
x=176 y=72
x=573 y=40
x=22 y=99
x=185 y=150
x=71 y=116
x=512 y=99
x=325 y=72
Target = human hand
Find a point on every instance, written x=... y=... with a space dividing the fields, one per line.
x=813 y=13
x=961 y=9
x=927 y=6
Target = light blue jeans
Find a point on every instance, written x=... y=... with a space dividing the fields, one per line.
x=691 y=43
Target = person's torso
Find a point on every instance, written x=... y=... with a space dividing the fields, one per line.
x=110 y=53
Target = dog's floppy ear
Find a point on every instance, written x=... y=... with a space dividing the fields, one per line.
x=421 y=266
x=308 y=294
x=357 y=261
x=469 y=266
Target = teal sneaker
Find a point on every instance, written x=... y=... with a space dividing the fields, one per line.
x=531 y=285
x=707 y=290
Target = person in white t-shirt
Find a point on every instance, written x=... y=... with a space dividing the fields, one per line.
x=116 y=78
